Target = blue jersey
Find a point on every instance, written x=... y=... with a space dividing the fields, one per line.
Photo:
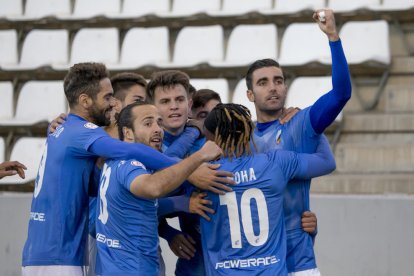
x=189 y=223
x=126 y=225
x=246 y=235
x=296 y=135
x=58 y=222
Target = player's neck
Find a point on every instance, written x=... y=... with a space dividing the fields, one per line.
x=112 y=130
x=82 y=113
x=265 y=117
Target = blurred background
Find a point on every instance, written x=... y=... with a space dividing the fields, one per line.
x=365 y=209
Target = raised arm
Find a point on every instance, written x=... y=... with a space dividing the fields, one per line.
x=326 y=108
x=180 y=147
x=320 y=163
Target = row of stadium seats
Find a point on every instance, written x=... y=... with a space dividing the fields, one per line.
x=14 y=9
x=41 y=101
x=44 y=100
x=363 y=42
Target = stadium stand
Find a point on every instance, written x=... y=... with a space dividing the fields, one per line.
x=136 y=8
x=220 y=86
x=352 y=5
x=250 y=42
x=296 y=49
x=239 y=97
x=33 y=54
x=8 y=47
x=151 y=43
x=27 y=151
x=87 y=41
x=7 y=102
x=38 y=102
x=375 y=148
x=196 y=45
x=36 y=9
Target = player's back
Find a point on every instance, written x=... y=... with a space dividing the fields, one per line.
x=59 y=211
x=246 y=235
x=126 y=225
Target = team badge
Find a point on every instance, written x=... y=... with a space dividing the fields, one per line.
x=90 y=125
x=278 y=137
x=137 y=164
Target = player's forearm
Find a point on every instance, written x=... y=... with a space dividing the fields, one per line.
x=327 y=107
x=183 y=144
x=165 y=231
x=112 y=148
x=320 y=163
x=168 y=205
x=162 y=182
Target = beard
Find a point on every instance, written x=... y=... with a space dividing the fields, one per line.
x=99 y=116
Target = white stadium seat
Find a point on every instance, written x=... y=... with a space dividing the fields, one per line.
x=43 y=47
x=97 y=45
x=8 y=47
x=231 y=7
x=2 y=150
x=6 y=103
x=220 y=86
x=136 y=8
x=366 y=41
x=351 y=5
x=397 y=4
x=43 y=8
x=27 y=151
x=11 y=8
x=248 y=43
x=304 y=91
x=240 y=97
x=293 y=6
x=144 y=46
x=48 y=98
x=196 y=45
x=91 y=8
x=303 y=43
x=188 y=7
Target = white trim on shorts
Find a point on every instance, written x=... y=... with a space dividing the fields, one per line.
x=52 y=270
x=308 y=272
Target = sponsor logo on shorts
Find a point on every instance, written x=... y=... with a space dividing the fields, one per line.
x=90 y=125
x=109 y=242
x=252 y=262
x=37 y=216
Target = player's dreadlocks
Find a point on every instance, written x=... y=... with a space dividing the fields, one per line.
x=232 y=127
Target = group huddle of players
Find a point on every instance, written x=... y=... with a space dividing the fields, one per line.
x=127 y=157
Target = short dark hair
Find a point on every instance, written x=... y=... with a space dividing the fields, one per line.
x=126 y=119
x=203 y=96
x=123 y=81
x=83 y=78
x=261 y=63
x=167 y=79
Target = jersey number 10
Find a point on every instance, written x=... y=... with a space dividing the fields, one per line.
x=230 y=200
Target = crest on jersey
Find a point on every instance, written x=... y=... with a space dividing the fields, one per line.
x=90 y=125
x=137 y=164
x=278 y=137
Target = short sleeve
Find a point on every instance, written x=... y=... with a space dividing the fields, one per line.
x=128 y=171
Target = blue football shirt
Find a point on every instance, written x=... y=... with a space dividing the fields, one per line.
x=297 y=135
x=126 y=225
x=246 y=235
x=58 y=224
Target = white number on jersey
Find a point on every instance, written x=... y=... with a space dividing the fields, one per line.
x=103 y=187
x=230 y=200
x=40 y=173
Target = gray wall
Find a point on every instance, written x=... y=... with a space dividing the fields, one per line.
x=358 y=235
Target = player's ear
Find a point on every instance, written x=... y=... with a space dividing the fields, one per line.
x=128 y=134
x=250 y=95
x=85 y=101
